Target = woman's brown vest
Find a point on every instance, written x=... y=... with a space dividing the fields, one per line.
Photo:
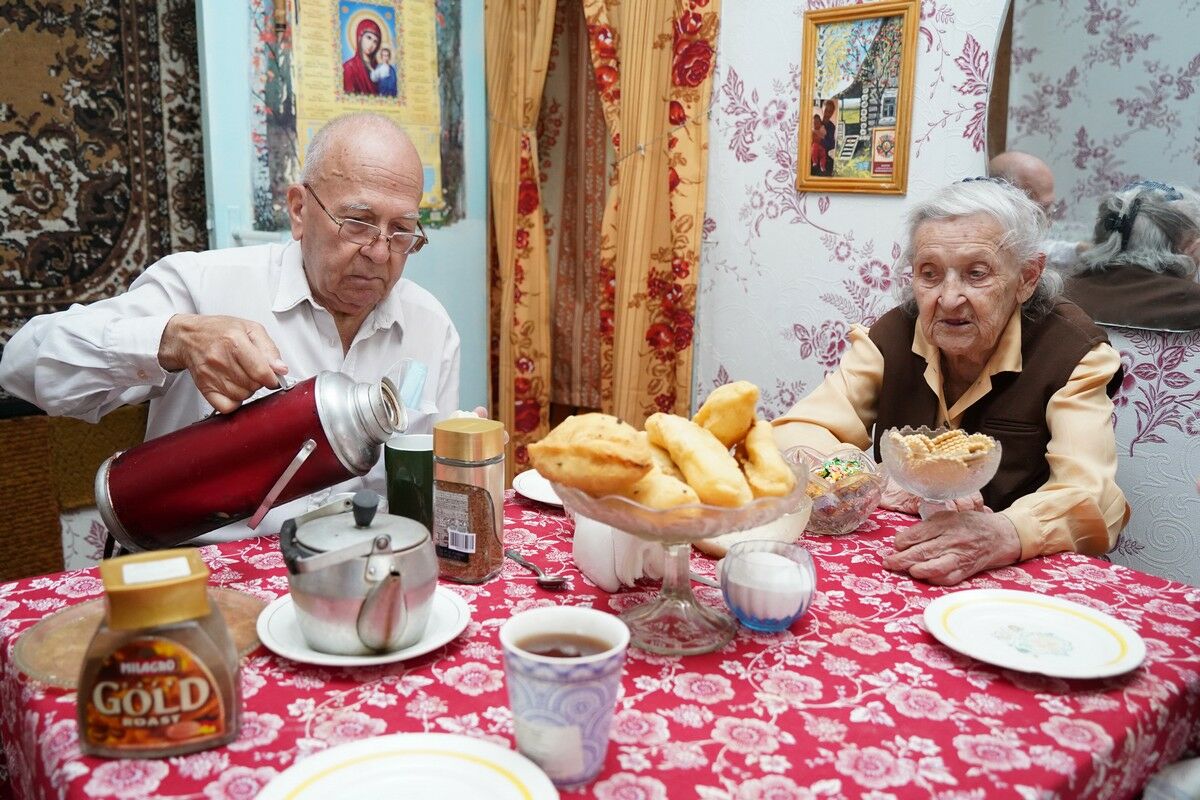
x=1014 y=411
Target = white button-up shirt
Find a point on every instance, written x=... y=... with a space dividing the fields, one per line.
x=88 y=360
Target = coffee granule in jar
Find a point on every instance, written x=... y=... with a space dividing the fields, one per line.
x=464 y=532
x=468 y=498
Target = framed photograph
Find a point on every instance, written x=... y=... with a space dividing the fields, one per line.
x=856 y=97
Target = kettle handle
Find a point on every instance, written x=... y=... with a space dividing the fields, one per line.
x=299 y=558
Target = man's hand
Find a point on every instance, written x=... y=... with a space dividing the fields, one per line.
x=950 y=547
x=229 y=358
x=896 y=499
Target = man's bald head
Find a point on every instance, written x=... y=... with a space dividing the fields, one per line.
x=350 y=134
x=1028 y=173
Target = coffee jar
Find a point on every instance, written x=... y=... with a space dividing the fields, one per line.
x=468 y=498
x=160 y=677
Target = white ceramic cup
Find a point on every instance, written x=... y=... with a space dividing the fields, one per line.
x=563 y=707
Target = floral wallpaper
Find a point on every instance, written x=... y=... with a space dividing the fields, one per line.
x=785 y=274
x=1112 y=101
x=1158 y=451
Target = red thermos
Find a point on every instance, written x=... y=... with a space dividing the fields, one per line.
x=231 y=466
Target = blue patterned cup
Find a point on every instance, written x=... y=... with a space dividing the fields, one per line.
x=563 y=701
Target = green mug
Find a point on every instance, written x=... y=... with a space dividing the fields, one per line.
x=408 y=462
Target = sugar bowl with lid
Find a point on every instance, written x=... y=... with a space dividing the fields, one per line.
x=362 y=582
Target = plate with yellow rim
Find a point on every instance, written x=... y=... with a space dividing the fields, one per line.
x=415 y=766
x=1032 y=632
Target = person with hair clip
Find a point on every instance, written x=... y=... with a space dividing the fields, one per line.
x=1140 y=271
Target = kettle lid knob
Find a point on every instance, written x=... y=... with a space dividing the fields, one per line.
x=365 y=504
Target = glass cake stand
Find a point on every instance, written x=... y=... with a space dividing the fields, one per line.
x=937 y=481
x=674 y=623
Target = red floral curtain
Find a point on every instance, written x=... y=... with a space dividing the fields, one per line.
x=653 y=64
x=518 y=36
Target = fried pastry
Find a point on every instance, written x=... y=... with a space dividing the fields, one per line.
x=728 y=412
x=662 y=459
x=657 y=489
x=762 y=463
x=596 y=453
x=707 y=464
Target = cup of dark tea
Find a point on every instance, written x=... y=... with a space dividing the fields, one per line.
x=563 y=667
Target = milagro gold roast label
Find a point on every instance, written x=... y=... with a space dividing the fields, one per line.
x=151 y=693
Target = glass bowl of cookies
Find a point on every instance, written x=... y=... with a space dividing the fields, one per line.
x=939 y=464
x=845 y=487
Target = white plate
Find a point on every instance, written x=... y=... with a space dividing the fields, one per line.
x=1030 y=632
x=531 y=484
x=414 y=766
x=280 y=632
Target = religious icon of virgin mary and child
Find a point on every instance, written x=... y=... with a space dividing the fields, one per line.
x=368 y=32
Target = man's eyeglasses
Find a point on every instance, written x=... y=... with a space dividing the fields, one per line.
x=364 y=234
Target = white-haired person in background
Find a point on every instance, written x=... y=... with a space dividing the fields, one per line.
x=983 y=341
x=1141 y=269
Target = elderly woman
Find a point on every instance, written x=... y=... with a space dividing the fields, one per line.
x=982 y=342
x=1140 y=271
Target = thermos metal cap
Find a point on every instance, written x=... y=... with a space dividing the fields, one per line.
x=468 y=439
x=160 y=587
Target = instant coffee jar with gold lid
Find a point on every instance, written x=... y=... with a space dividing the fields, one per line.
x=468 y=498
x=160 y=677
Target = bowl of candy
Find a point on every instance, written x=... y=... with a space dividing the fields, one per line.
x=845 y=487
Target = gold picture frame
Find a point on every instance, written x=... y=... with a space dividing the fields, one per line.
x=857 y=83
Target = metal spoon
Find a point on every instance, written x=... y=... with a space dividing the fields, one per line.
x=554 y=581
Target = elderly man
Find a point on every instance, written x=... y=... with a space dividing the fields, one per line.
x=199 y=332
x=983 y=343
x=1031 y=175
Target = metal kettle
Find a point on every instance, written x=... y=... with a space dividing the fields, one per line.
x=361 y=583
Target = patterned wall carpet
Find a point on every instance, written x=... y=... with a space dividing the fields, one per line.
x=101 y=162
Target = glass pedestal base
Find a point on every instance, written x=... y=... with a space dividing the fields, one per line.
x=674 y=623
x=927 y=508
x=676 y=626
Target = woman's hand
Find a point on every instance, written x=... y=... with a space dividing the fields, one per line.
x=896 y=499
x=948 y=548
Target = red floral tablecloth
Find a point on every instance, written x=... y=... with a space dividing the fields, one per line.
x=858 y=700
